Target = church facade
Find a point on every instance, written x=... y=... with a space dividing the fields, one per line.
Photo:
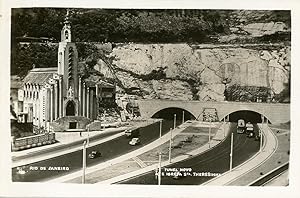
x=54 y=93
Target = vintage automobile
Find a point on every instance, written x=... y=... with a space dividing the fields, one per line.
x=241 y=126
x=94 y=154
x=250 y=134
x=257 y=137
x=134 y=141
x=131 y=133
x=127 y=132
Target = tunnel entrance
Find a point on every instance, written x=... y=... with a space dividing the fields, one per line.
x=248 y=116
x=168 y=114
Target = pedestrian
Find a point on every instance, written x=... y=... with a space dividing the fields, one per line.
x=80 y=134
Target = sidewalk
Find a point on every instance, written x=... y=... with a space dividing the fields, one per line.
x=70 y=142
x=133 y=163
x=269 y=147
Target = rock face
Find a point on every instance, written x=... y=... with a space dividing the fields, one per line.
x=198 y=70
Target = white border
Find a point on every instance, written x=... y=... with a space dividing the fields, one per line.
x=7 y=188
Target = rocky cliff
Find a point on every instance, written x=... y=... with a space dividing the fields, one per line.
x=186 y=72
x=254 y=52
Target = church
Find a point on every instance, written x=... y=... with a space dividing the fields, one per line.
x=59 y=96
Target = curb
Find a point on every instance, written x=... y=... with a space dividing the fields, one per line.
x=244 y=163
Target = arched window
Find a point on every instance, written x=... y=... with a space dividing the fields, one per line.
x=67 y=34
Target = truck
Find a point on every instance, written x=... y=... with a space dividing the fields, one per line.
x=241 y=126
x=249 y=129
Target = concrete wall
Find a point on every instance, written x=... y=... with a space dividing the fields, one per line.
x=274 y=112
x=63 y=123
x=33 y=141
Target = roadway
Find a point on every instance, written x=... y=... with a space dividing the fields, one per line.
x=73 y=161
x=215 y=160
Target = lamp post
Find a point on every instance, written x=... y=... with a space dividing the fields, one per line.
x=88 y=137
x=174 y=121
x=261 y=140
x=160 y=128
x=83 y=162
x=170 y=146
x=224 y=128
x=182 y=117
x=231 y=152
x=209 y=132
x=159 y=168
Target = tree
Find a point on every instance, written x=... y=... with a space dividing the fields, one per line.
x=33 y=55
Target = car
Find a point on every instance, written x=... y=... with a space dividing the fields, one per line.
x=250 y=135
x=257 y=138
x=128 y=132
x=134 y=141
x=21 y=171
x=94 y=154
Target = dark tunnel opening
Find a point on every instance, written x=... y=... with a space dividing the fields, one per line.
x=168 y=114
x=248 y=116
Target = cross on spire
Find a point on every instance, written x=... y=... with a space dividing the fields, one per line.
x=67 y=22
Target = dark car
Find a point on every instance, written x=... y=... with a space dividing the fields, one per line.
x=94 y=154
x=250 y=135
x=257 y=138
x=131 y=133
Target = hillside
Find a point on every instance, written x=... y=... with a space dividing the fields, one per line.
x=217 y=55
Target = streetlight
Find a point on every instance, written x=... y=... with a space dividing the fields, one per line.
x=209 y=131
x=88 y=137
x=159 y=168
x=170 y=146
x=261 y=140
x=160 y=128
x=224 y=128
x=231 y=152
x=174 y=121
x=83 y=162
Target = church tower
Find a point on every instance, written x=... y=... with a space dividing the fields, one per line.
x=68 y=70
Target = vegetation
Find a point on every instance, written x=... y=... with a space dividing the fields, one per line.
x=139 y=26
x=28 y=56
x=246 y=93
x=114 y=25
x=285 y=94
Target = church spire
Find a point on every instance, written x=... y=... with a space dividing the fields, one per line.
x=66 y=30
x=67 y=22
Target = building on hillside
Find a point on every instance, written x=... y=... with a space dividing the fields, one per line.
x=15 y=86
x=54 y=93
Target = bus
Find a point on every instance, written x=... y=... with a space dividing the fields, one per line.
x=241 y=126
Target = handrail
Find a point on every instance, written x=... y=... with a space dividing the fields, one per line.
x=270 y=175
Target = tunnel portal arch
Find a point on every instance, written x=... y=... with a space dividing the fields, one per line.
x=247 y=115
x=168 y=114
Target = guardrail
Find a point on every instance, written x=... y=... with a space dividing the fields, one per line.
x=270 y=175
x=33 y=141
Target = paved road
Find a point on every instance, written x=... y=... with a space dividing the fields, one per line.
x=73 y=161
x=213 y=161
x=55 y=148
